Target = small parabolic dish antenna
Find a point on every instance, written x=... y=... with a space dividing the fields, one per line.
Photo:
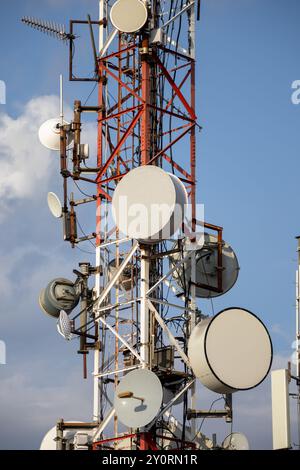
x=49 y=134
x=49 y=440
x=60 y=294
x=138 y=398
x=231 y=351
x=148 y=204
x=207 y=267
x=129 y=16
x=236 y=441
x=64 y=326
x=54 y=205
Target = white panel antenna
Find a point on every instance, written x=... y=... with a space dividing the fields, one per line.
x=280 y=409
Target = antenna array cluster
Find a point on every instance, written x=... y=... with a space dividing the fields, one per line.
x=140 y=318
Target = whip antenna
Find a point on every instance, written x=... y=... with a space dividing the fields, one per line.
x=61 y=98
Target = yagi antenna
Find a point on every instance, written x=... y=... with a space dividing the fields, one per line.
x=55 y=30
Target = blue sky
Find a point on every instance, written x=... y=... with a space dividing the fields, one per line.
x=248 y=167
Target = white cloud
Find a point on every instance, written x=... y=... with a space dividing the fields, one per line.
x=278 y=329
x=26 y=166
x=11 y=261
x=29 y=409
x=280 y=361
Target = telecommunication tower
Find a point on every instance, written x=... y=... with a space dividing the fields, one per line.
x=135 y=309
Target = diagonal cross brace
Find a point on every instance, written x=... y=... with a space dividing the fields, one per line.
x=120 y=144
x=115 y=277
x=162 y=279
x=103 y=425
x=177 y=91
x=117 y=335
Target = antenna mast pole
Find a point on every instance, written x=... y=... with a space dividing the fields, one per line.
x=96 y=401
x=146 y=151
x=101 y=27
x=191 y=41
x=61 y=84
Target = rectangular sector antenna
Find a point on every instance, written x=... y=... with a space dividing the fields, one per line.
x=280 y=409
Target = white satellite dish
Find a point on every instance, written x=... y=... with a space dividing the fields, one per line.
x=64 y=326
x=138 y=398
x=230 y=351
x=49 y=134
x=54 y=205
x=149 y=204
x=207 y=267
x=129 y=16
x=236 y=441
x=49 y=440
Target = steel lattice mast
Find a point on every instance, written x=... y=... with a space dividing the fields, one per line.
x=139 y=95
